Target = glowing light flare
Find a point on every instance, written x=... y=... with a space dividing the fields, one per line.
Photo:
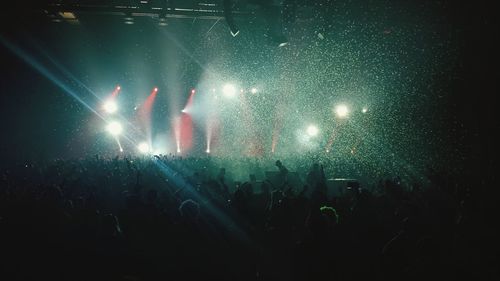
x=114 y=128
x=364 y=110
x=176 y=125
x=110 y=106
x=341 y=110
x=212 y=132
x=208 y=134
x=229 y=90
x=186 y=131
x=189 y=103
x=116 y=91
x=253 y=91
x=119 y=144
x=143 y=148
x=312 y=130
x=146 y=108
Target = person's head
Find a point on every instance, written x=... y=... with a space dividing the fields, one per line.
x=247 y=188
x=321 y=221
x=315 y=166
x=189 y=209
x=330 y=214
x=278 y=163
x=152 y=195
x=109 y=226
x=265 y=187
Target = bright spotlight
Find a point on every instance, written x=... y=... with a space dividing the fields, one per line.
x=110 y=106
x=364 y=110
x=114 y=128
x=183 y=111
x=207 y=151
x=143 y=147
x=193 y=91
x=229 y=90
x=342 y=111
x=118 y=88
x=253 y=90
x=178 y=150
x=312 y=130
x=155 y=89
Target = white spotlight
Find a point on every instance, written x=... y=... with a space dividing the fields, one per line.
x=364 y=110
x=143 y=147
x=253 y=90
x=312 y=130
x=208 y=150
x=342 y=111
x=110 y=106
x=114 y=128
x=229 y=90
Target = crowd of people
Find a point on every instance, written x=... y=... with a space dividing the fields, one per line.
x=174 y=218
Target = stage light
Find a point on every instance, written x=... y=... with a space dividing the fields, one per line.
x=342 y=111
x=178 y=150
x=364 y=110
x=114 y=128
x=193 y=91
x=327 y=150
x=282 y=42
x=229 y=90
x=253 y=90
x=207 y=151
x=118 y=88
x=183 y=111
x=312 y=130
x=129 y=20
x=228 y=15
x=162 y=21
x=110 y=106
x=155 y=89
x=143 y=147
